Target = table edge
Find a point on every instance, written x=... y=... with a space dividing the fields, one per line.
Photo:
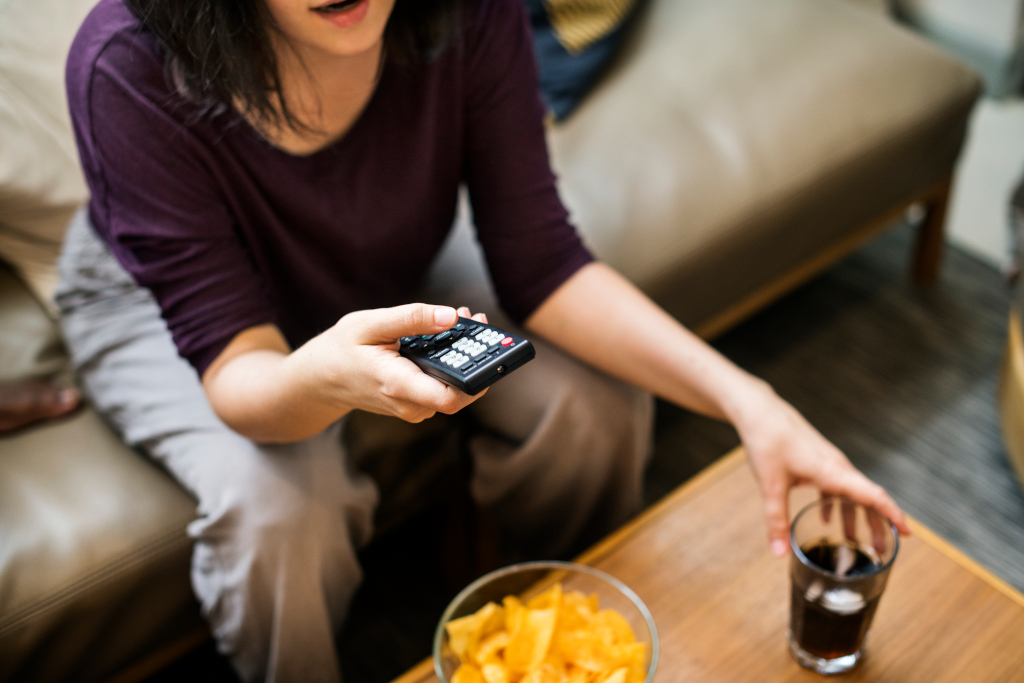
x=709 y=475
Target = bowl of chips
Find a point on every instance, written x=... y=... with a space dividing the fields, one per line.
x=546 y=622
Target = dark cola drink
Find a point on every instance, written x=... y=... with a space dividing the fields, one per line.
x=830 y=620
x=842 y=554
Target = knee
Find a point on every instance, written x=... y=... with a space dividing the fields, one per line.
x=268 y=503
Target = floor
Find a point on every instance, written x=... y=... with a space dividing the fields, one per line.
x=902 y=379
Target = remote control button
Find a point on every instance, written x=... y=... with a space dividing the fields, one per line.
x=415 y=345
x=494 y=349
x=475 y=353
x=507 y=341
x=457 y=334
x=458 y=326
x=459 y=363
x=443 y=337
x=406 y=340
x=426 y=336
x=474 y=329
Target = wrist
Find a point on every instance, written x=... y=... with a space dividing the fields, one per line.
x=310 y=373
x=749 y=403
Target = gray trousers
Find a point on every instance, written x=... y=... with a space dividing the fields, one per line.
x=274 y=564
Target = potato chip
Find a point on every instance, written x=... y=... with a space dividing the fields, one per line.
x=464 y=633
x=577 y=610
x=633 y=653
x=617 y=676
x=625 y=654
x=555 y=637
x=491 y=647
x=514 y=611
x=495 y=673
x=613 y=627
x=467 y=673
x=544 y=673
x=552 y=597
x=586 y=650
x=578 y=675
x=529 y=643
x=587 y=603
x=554 y=658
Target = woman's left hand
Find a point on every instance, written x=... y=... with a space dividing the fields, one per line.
x=784 y=451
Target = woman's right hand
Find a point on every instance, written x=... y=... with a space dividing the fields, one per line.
x=268 y=393
x=356 y=363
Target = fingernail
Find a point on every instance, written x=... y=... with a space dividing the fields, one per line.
x=778 y=548
x=68 y=396
x=444 y=316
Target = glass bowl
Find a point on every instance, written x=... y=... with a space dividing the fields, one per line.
x=532 y=578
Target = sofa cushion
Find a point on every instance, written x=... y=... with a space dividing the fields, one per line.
x=732 y=139
x=94 y=559
x=30 y=343
x=41 y=185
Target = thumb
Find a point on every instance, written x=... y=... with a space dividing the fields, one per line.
x=777 y=513
x=385 y=325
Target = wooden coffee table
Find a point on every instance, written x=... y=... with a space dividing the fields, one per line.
x=700 y=561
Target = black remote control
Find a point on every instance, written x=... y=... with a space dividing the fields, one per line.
x=469 y=356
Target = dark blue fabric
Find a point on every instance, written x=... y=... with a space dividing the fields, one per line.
x=565 y=79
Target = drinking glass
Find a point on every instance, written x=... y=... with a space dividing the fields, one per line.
x=842 y=553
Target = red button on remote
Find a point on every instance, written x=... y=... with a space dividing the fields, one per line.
x=506 y=341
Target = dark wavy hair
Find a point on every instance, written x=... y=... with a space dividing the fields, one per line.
x=219 y=52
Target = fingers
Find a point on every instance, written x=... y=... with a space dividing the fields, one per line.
x=776 y=509
x=855 y=485
x=849 y=520
x=479 y=317
x=878 y=534
x=385 y=325
x=414 y=394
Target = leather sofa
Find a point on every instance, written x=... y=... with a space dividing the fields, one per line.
x=733 y=150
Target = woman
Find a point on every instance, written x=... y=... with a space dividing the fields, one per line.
x=274 y=178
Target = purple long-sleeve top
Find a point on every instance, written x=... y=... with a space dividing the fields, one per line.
x=230 y=232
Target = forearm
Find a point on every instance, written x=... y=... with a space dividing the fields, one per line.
x=264 y=391
x=601 y=318
x=268 y=393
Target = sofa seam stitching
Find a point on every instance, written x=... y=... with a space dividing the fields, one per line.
x=166 y=541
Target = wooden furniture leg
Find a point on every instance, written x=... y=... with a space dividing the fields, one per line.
x=931 y=237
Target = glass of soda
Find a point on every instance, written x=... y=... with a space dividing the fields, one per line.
x=842 y=553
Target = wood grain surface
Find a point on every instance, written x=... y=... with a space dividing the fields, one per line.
x=720 y=601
